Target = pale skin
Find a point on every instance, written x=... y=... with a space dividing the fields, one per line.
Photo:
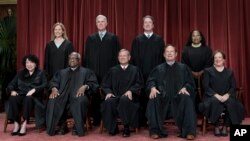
x=148 y=25
x=124 y=58
x=101 y=23
x=170 y=55
x=74 y=62
x=58 y=32
x=219 y=66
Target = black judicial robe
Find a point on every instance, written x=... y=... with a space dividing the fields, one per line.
x=101 y=55
x=147 y=53
x=169 y=80
x=118 y=81
x=68 y=82
x=197 y=58
x=22 y=84
x=57 y=58
x=221 y=83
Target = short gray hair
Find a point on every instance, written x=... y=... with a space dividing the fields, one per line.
x=78 y=55
x=101 y=16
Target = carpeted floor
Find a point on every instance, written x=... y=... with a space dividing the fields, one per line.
x=94 y=135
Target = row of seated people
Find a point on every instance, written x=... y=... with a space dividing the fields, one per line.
x=170 y=87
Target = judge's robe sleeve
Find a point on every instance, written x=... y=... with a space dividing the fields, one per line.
x=107 y=83
x=55 y=81
x=152 y=80
x=12 y=85
x=86 y=52
x=232 y=89
x=138 y=82
x=92 y=82
x=189 y=82
x=206 y=81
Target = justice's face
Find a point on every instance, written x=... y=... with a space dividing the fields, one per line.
x=73 y=61
x=148 y=24
x=30 y=66
x=101 y=23
x=170 y=53
x=219 y=60
x=124 y=57
x=58 y=31
x=196 y=37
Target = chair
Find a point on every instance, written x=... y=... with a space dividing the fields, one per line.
x=7 y=121
x=88 y=125
x=199 y=87
x=205 y=122
x=118 y=120
x=31 y=120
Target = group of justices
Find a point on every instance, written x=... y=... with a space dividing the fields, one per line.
x=153 y=87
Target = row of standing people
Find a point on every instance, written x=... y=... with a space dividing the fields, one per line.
x=101 y=54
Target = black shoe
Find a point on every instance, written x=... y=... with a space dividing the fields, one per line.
x=15 y=133
x=22 y=134
x=96 y=123
x=217 y=131
x=115 y=132
x=224 y=131
x=63 y=131
x=126 y=133
x=74 y=131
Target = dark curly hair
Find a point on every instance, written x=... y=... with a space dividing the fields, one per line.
x=31 y=57
x=203 y=40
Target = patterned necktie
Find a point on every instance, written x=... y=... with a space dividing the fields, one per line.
x=148 y=36
x=101 y=35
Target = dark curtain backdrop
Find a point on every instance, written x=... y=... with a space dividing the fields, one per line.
x=225 y=24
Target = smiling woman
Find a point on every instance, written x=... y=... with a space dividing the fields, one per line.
x=57 y=50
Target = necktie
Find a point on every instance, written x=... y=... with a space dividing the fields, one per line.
x=148 y=35
x=101 y=35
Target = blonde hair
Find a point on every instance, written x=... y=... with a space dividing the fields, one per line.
x=64 y=35
x=124 y=50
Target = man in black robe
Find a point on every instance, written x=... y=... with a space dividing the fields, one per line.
x=171 y=95
x=100 y=54
x=69 y=90
x=147 y=50
x=121 y=86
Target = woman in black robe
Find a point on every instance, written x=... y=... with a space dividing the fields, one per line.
x=56 y=57
x=57 y=50
x=26 y=90
x=197 y=56
x=220 y=96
